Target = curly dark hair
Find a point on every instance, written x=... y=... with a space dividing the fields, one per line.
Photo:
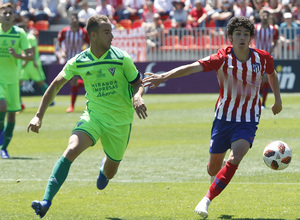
x=240 y=22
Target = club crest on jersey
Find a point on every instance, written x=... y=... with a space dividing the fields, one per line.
x=256 y=67
x=13 y=42
x=112 y=70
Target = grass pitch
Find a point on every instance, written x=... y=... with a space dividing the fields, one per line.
x=163 y=174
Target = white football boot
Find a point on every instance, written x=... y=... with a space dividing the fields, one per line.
x=202 y=207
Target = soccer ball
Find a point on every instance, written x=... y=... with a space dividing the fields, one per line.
x=277 y=155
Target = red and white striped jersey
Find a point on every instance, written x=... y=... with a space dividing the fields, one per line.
x=239 y=83
x=73 y=41
x=264 y=37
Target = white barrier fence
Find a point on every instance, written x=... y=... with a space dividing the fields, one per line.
x=183 y=44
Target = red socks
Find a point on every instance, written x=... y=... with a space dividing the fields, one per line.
x=264 y=92
x=74 y=91
x=221 y=181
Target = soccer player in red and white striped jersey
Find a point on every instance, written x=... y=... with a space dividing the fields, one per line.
x=266 y=37
x=239 y=70
x=71 y=40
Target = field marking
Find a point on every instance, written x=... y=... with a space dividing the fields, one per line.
x=134 y=181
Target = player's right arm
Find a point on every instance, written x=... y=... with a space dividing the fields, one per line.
x=153 y=80
x=36 y=123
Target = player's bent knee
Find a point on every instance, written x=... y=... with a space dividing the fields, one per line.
x=212 y=172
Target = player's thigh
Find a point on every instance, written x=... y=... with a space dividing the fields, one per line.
x=78 y=142
x=12 y=97
x=239 y=149
x=115 y=140
x=33 y=73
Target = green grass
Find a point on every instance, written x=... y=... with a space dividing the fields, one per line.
x=163 y=174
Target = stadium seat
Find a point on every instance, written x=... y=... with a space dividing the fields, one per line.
x=171 y=42
x=188 y=42
x=42 y=25
x=202 y=42
x=137 y=23
x=217 y=41
x=125 y=23
x=30 y=24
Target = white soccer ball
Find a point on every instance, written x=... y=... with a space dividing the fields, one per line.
x=277 y=155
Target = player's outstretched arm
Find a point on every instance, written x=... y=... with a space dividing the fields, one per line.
x=36 y=123
x=274 y=83
x=138 y=101
x=154 y=80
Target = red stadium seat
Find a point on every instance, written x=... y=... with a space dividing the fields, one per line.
x=202 y=42
x=42 y=25
x=137 y=23
x=171 y=42
x=125 y=23
x=187 y=42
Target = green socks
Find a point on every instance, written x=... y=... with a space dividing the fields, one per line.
x=44 y=87
x=2 y=118
x=8 y=133
x=59 y=174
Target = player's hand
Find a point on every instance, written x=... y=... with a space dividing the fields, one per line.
x=140 y=107
x=12 y=51
x=153 y=80
x=34 y=125
x=276 y=108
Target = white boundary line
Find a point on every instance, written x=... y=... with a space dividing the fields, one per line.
x=134 y=181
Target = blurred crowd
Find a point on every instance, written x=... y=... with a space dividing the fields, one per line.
x=157 y=15
x=183 y=13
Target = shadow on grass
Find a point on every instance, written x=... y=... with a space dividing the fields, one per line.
x=23 y=158
x=231 y=217
x=113 y=218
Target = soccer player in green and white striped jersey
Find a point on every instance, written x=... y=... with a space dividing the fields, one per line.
x=12 y=41
x=113 y=91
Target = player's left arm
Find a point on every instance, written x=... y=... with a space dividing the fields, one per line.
x=138 y=101
x=274 y=83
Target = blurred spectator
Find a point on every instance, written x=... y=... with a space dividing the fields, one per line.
x=266 y=37
x=266 y=34
x=286 y=6
x=288 y=30
x=24 y=5
x=108 y=10
x=197 y=15
x=275 y=10
x=164 y=7
x=179 y=14
x=71 y=40
x=36 y=9
x=118 y=6
x=54 y=10
x=258 y=5
x=148 y=14
x=296 y=12
x=85 y=13
x=71 y=4
x=223 y=15
x=243 y=9
x=133 y=8
x=154 y=32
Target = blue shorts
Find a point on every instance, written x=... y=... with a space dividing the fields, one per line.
x=223 y=133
